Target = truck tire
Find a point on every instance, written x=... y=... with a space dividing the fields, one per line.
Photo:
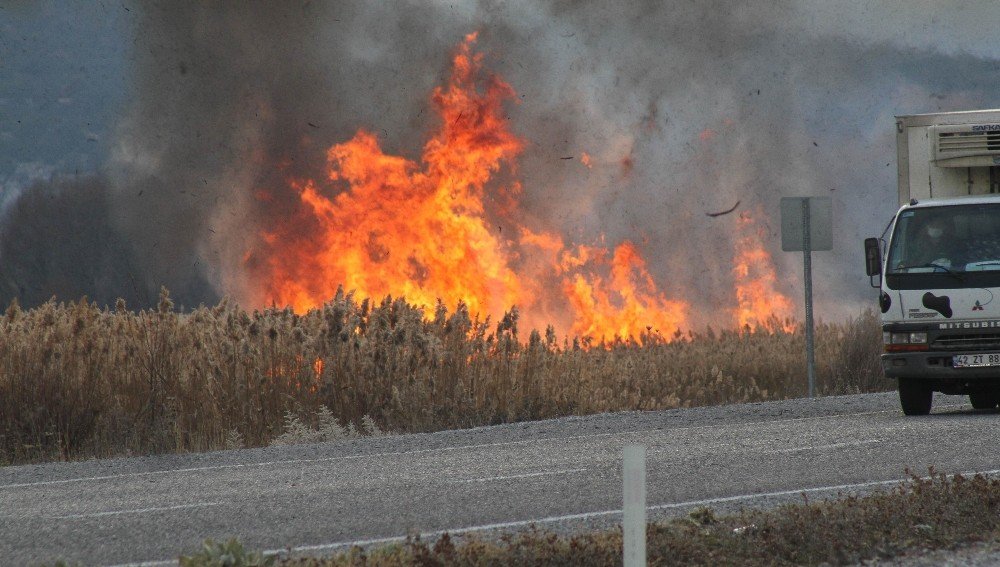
x=985 y=399
x=915 y=396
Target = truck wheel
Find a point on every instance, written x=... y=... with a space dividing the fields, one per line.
x=986 y=399
x=915 y=396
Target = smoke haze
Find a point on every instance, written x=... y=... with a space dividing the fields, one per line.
x=684 y=108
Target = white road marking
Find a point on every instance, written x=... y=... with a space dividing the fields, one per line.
x=435 y=450
x=588 y=515
x=135 y=511
x=515 y=476
x=551 y=519
x=821 y=447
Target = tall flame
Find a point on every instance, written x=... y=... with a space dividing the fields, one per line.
x=448 y=227
x=635 y=307
x=386 y=225
x=756 y=294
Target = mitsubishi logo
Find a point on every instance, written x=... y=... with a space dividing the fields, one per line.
x=977 y=307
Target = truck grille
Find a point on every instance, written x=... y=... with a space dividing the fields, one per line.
x=982 y=341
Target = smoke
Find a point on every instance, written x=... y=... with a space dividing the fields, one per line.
x=57 y=241
x=223 y=100
x=711 y=103
x=684 y=108
x=24 y=175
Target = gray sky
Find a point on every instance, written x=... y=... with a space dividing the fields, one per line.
x=62 y=83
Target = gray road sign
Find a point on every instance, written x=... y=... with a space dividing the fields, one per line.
x=820 y=223
x=806 y=226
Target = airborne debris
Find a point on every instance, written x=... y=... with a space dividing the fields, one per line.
x=567 y=157
x=725 y=212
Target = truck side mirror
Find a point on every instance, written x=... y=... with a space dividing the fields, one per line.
x=873 y=258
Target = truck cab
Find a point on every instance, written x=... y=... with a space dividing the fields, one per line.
x=938 y=272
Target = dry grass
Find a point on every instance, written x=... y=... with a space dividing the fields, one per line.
x=78 y=381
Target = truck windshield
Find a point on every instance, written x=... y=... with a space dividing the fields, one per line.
x=948 y=239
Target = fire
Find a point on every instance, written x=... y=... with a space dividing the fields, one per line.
x=635 y=307
x=386 y=225
x=448 y=226
x=297 y=373
x=753 y=271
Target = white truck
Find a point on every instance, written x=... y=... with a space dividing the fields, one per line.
x=938 y=273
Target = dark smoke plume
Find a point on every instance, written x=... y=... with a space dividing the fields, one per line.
x=58 y=242
x=684 y=108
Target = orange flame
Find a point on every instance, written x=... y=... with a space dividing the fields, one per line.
x=634 y=308
x=389 y=226
x=448 y=227
x=758 y=300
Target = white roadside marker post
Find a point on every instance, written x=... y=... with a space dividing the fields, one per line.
x=634 y=506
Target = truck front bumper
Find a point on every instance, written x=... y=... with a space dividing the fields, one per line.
x=933 y=366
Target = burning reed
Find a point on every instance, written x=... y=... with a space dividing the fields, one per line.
x=78 y=381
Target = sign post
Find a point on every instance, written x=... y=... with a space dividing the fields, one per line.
x=806 y=225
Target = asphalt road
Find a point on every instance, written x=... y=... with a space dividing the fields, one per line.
x=561 y=474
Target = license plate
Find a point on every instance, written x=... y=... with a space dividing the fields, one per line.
x=974 y=360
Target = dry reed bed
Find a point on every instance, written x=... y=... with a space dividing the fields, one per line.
x=79 y=381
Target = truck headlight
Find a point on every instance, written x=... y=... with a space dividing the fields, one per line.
x=908 y=341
